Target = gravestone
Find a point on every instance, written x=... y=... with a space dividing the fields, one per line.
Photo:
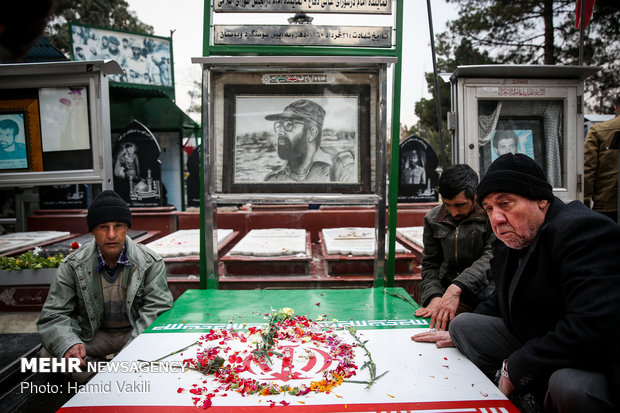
x=417 y=171
x=193 y=177
x=75 y=196
x=137 y=169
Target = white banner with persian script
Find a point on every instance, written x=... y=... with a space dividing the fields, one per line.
x=304 y=35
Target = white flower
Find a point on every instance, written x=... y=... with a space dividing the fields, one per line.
x=255 y=338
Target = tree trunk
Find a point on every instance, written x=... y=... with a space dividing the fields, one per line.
x=549 y=58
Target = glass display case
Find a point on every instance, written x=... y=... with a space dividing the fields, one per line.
x=534 y=110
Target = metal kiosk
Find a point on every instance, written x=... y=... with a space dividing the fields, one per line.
x=535 y=110
x=63 y=115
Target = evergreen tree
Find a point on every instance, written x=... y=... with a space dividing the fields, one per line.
x=112 y=14
x=543 y=32
x=449 y=57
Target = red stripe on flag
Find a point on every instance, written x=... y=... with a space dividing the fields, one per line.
x=587 y=14
x=478 y=406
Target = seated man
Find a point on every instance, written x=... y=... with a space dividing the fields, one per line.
x=105 y=293
x=457 y=250
x=551 y=333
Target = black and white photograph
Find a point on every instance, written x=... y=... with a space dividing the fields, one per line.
x=417 y=177
x=145 y=60
x=13 y=148
x=64 y=118
x=297 y=140
x=137 y=168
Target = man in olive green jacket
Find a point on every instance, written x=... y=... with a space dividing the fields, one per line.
x=105 y=293
x=457 y=250
x=601 y=166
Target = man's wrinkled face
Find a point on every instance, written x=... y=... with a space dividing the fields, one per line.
x=460 y=207
x=110 y=238
x=291 y=140
x=515 y=219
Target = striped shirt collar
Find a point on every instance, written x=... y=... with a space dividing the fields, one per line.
x=122 y=259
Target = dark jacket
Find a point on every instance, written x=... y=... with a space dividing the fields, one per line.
x=456 y=252
x=561 y=296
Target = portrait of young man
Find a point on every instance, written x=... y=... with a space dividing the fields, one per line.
x=456 y=273
x=13 y=154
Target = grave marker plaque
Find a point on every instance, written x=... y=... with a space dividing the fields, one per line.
x=193 y=178
x=137 y=169
x=417 y=174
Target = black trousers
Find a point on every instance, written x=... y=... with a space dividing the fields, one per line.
x=486 y=341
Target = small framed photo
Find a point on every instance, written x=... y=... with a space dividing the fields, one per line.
x=64 y=118
x=519 y=135
x=310 y=138
x=20 y=136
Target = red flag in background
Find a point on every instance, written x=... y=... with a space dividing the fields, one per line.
x=588 y=13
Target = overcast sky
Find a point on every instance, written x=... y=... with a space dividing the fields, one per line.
x=185 y=18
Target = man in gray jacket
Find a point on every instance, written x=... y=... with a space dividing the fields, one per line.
x=457 y=249
x=105 y=293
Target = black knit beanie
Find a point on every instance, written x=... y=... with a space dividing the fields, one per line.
x=108 y=207
x=517 y=174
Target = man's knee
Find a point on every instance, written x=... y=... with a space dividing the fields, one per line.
x=461 y=324
x=573 y=390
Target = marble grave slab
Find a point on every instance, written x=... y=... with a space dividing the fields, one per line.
x=185 y=243
x=356 y=241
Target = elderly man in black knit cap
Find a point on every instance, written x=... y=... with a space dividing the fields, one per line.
x=551 y=334
x=105 y=293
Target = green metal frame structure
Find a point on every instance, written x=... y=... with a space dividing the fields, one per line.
x=210 y=281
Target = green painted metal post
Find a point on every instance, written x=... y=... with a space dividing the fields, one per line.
x=206 y=30
x=394 y=150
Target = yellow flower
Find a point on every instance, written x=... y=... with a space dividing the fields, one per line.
x=286 y=312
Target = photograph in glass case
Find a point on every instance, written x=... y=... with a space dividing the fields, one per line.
x=512 y=141
x=296 y=139
x=13 y=148
x=64 y=118
x=519 y=135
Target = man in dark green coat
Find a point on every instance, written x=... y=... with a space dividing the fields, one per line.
x=457 y=250
x=105 y=293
